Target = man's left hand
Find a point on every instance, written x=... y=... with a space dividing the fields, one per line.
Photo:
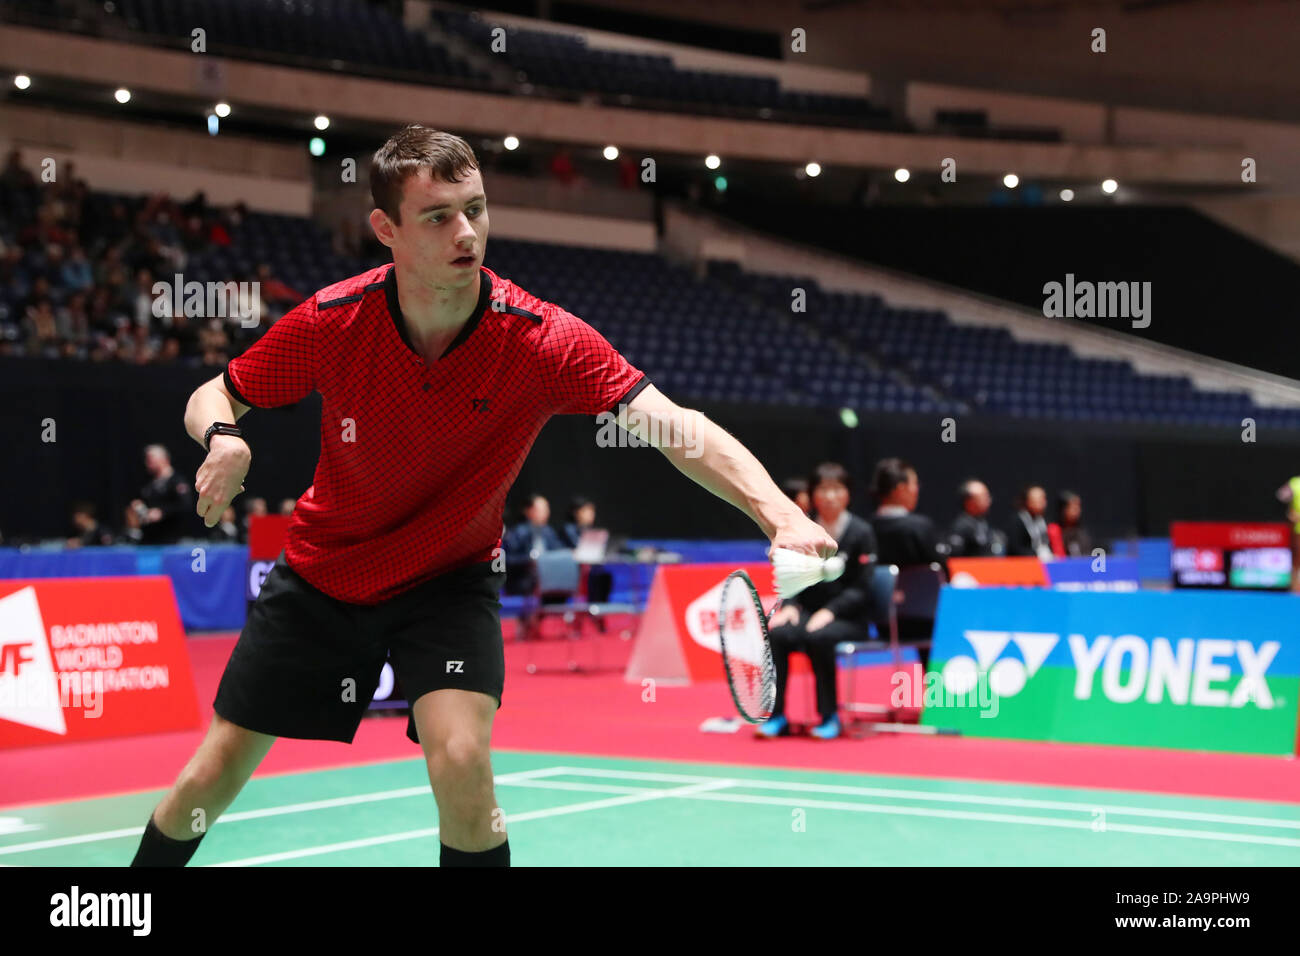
x=819 y=620
x=806 y=536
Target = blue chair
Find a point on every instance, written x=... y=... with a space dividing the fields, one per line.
x=884 y=579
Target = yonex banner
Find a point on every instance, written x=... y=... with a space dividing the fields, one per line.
x=1186 y=670
x=89 y=658
x=1093 y=574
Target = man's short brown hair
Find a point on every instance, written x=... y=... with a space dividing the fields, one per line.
x=448 y=157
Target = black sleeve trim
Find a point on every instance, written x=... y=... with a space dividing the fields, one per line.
x=230 y=387
x=632 y=393
x=515 y=310
x=343 y=301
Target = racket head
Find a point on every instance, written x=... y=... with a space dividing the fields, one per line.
x=746 y=651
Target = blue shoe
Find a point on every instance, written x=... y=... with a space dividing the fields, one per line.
x=776 y=726
x=829 y=730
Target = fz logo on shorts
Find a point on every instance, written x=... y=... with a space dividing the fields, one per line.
x=455 y=667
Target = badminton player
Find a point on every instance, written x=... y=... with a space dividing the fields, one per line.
x=436 y=376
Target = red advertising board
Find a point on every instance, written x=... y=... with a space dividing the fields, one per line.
x=89 y=658
x=677 y=638
x=1228 y=534
x=997 y=572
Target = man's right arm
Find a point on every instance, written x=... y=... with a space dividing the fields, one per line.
x=221 y=476
x=211 y=402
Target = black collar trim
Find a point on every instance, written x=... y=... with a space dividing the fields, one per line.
x=395 y=310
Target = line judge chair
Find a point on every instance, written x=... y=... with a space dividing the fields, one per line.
x=558 y=577
x=911 y=594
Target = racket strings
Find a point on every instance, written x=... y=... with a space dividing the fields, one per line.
x=746 y=652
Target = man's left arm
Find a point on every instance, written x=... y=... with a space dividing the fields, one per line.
x=704 y=452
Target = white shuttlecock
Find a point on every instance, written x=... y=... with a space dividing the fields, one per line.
x=796 y=571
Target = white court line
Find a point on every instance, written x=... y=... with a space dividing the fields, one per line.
x=640 y=794
x=896 y=810
x=642 y=797
x=1023 y=803
x=374 y=797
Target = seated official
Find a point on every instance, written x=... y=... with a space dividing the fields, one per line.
x=971 y=535
x=1028 y=536
x=88 y=530
x=817 y=619
x=903 y=537
x=525 y=541
x=600 y=582
x=1067 y=535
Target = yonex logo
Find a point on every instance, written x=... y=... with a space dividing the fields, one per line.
x=455 y=667
x=1007 y=676
x=1125 y=668
x=480 y=404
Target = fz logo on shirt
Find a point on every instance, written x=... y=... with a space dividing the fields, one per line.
x=455 y=667
x=480 y=404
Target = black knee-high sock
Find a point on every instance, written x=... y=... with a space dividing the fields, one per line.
x=497 y=856
x=158 y=849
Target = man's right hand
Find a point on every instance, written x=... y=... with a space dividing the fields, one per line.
x=221 y=476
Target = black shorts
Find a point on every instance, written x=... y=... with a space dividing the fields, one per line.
x=306 y=665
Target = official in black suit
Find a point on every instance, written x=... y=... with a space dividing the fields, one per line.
x=902 y=536
x=1028 y=535
x=971 y=535
x=818 y=618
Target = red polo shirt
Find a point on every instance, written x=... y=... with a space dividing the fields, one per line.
x=416 y=459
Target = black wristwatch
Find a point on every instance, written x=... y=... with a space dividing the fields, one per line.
x=220 y=428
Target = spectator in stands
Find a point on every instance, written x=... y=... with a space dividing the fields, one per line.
x=88 y=530
x=562 y=168
x=165 y=502
x=629 y=173
x=1028 y=535
x=971 y=535
x=72 y=320
x=277 y=294
x=41 y=330
x=817 y=619
x=525 y=541
x=287 y=505
x=76 y=273
x=796 y=490
x=903 y=537
x=1068 y=538
x=15 y=175
x=214 y=344
x=142 y=300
